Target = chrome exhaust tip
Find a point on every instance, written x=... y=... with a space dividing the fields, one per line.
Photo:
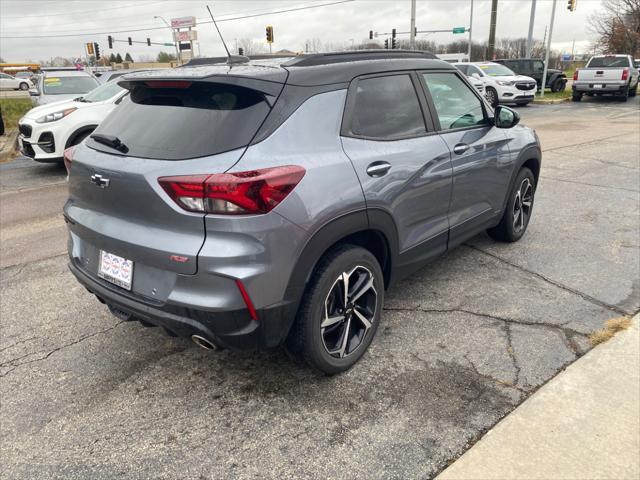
x=203 y=342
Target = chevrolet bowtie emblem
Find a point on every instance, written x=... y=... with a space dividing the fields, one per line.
x=99 y=180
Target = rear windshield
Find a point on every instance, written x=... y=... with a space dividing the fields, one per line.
x=68 y=85
x=603 y=62
x=179 y=123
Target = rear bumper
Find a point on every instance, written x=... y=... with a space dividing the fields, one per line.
x=611 y=87
x=233 y=329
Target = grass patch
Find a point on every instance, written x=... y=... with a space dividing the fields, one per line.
x=12 y=110
x=566 y=93
x=611 y=327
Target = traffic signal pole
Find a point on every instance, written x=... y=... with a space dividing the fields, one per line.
x=470 y=27
x=546 y=55
x=530 y=36
x=412 y=27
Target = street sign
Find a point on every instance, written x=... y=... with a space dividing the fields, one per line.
x=459 y=29
x=566 y=57
x=183 y=22
x=169 y=44
x=185 y=36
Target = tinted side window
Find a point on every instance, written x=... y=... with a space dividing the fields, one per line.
x=538 y=66
x=456 y=105
x=386 y=108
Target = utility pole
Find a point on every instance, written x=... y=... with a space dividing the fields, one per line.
x=470 y=27
x=492 y=29
x=573 y=49
x=530 y=36
x=412 y=27
x=546 y=55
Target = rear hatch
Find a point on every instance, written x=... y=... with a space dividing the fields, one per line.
x=165 y=127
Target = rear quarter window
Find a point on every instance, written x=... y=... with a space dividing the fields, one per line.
x=181 y=123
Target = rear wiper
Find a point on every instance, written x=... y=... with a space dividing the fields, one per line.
x=110 y=141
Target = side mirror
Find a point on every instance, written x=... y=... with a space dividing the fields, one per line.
x=476 y=75
x=34 y=92
x=504 y=117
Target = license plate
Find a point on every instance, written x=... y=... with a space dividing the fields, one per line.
x=597 y=86
x=115 y=269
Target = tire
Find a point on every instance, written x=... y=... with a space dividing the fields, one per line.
x=634 y=91
x=321 y=347
x=492 y=96
x=624 y=95
x=557 y=86
x=512 y=225
x=23 y=86
x=576 y=97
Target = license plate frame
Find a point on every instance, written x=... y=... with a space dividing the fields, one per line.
x=116 y=269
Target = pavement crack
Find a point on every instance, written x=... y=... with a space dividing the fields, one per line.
x=567 y=334
x=588 y=184
x=561 y=286
x=18 y=343
x=511 y=352
x=22 y=265
x=503 y=383
x=11 y=363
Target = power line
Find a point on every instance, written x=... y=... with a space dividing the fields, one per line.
x=83 y=11
x=150 y=26
x=200 y=22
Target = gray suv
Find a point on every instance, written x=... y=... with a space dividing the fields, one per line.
x=251 y=205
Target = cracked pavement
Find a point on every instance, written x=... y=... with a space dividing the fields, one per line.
x=461 y=344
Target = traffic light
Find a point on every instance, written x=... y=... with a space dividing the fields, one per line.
x=386 y=44
x=370 y=34
x=130 y=43
x=393 y=43
x=110 y=40
x=148 y=42
x=96 y=49
x=571 y=5
x=89 y=48
x=393 y=33
x=241 y=51
x=269 y=34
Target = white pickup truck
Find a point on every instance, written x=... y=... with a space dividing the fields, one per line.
x=606 y=75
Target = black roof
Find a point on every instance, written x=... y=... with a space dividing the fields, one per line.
x=304 y=70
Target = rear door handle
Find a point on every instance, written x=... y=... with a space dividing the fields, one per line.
x=378 y=169
x=460 y=148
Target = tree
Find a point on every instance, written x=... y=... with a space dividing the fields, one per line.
x=164 y=57
x=617 y=27
x=250 y=46
x=112 y=58
x=127 y=57
x=118 y=58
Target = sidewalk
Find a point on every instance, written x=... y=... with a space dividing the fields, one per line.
x=583 y=424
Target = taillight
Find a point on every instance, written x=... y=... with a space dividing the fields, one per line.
x=575 y=75
x=237 y=193
x=67 y=157
x=625 y=74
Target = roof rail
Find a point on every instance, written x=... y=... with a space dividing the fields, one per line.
x=314 y=59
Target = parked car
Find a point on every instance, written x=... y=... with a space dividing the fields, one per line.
x=478 y=85
x=636 y=63
x=500 y=83
x=7 y=82
x=606 y=75
x=534 y=68
x=47 y=130
x=274 y=202
x=55 y=86
x=25 y=74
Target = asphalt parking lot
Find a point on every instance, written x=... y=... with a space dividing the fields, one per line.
x=462 y=342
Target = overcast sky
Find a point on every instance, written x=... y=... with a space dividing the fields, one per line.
x=335 y=24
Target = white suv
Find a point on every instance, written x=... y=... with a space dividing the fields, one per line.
x=501 y=84
x=7 y=82
x=46 y=131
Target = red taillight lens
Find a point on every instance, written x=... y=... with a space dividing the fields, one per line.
x=237 y=193
x=575 y=75
x=167 y=84
x=67 y=157
x=625 y=74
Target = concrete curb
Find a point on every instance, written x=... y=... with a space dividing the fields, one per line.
x=551 y=102
x=584 y=423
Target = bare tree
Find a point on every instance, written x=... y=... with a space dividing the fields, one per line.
x=617 y=27
x=313 y=45
x=250 y=46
